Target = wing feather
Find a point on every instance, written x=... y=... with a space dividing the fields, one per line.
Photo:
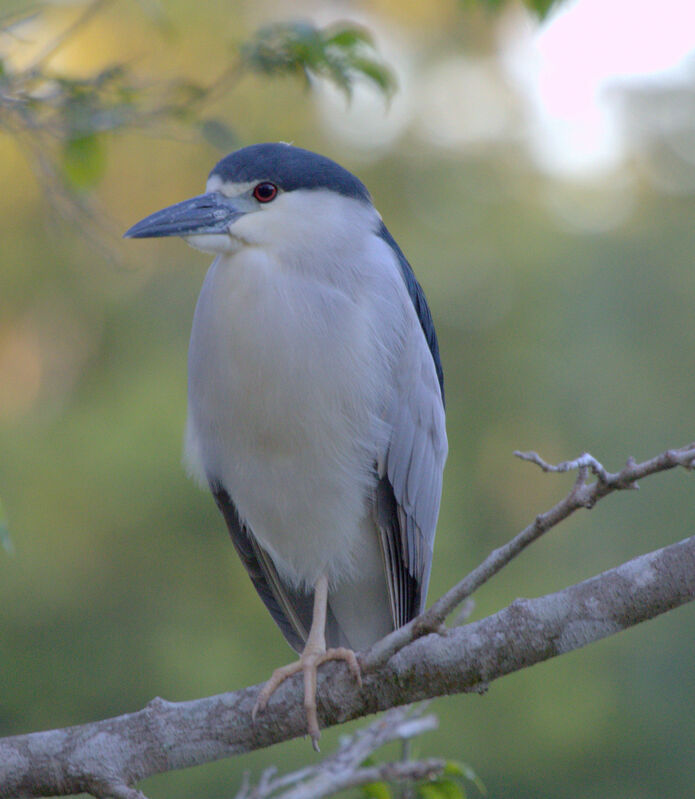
x=291 y=609
x=410 y=470
x=414 y=477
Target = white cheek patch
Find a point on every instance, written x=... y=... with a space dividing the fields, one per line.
x=214 y=243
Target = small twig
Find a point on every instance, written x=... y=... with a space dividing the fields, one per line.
x=581 y=464
x=582 y=495
x=397 y=771
x=78 y=210
x=220 y=85
x=406 y=757
x=343 y=769
x=412 y=771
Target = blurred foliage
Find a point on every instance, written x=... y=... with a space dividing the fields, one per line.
x=564 y=311
x=340 y=53
x=451 y=785
x=84 y=160
x=38 y=103
x=377 y=790
x=540 y=7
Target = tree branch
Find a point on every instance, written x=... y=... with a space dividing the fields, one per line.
x=344 y=769
x=105 y=758
x=582 y=495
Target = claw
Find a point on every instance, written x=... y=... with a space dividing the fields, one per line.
x=308 y=664
x=314 y=654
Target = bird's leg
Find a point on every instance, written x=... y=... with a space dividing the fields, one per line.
x=313 y=655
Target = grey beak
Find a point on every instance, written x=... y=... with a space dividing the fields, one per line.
x=206 y=213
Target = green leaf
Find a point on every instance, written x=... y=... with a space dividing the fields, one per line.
x=540 y=7
x=378 y=73
x=455 y=768
x=437 y=790
x=377 y=790
x=348 y=38
x=84 y=161
x=340 y=54
x=218 y=133
x=441 y=789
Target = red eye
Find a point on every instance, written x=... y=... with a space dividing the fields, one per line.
x=265 y=192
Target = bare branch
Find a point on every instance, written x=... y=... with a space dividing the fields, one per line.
x=342 y=769
x=408 y=771
x=167 y=735
x=582 y=495
x=685 y=456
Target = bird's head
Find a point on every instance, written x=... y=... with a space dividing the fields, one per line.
x=265 y=195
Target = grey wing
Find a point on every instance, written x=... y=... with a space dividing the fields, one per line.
x=410 y=471
x=291 y=609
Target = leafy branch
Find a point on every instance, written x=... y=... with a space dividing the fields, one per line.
x=341 y=54
x=61 y=120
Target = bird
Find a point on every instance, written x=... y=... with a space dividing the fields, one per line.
x=315 y=400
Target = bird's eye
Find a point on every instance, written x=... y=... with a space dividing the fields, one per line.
x=265 y=192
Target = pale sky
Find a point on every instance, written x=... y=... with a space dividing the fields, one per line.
x=557 y=73
x=564 y=67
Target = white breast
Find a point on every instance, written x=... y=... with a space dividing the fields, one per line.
x=288 y=382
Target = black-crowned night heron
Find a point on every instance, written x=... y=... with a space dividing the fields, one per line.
x=316 y=400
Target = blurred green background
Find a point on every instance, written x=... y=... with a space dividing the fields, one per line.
x=564 y=306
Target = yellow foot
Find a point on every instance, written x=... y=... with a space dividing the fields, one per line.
x=308 y=663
